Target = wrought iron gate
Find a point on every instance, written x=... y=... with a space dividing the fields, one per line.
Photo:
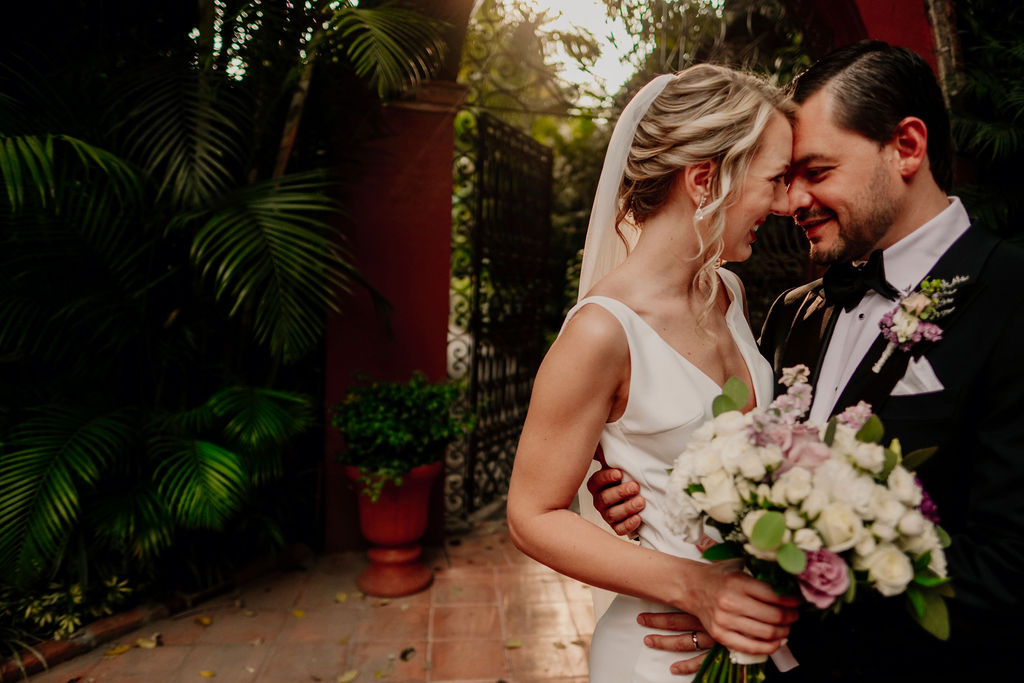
x=500 y=224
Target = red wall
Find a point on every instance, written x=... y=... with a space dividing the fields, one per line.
x=899 y=22
x=400 y=235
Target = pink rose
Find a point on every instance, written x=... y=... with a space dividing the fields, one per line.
x=805 y=450
x=825 y=578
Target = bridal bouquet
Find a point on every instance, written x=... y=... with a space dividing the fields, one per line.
x=816 y=510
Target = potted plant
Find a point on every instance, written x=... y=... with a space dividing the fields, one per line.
x=395 y=434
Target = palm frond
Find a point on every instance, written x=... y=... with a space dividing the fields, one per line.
x=134 y=521
x=271 y=250
x=260 y=422
x=204 y=484
x=391 y=46
x=188 y=131
x=47 y=463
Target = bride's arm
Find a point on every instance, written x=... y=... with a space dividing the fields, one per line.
x=581 y=382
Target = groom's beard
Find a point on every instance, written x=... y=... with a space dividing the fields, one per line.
x=863 y=229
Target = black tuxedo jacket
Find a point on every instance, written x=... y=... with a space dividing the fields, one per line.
x=976 y=478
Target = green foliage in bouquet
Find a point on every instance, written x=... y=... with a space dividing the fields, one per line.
x=391 y=427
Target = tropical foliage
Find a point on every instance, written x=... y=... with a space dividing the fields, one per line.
x=168 y=251
x=988 y=113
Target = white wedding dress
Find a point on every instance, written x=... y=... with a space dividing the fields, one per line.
x=669 y=398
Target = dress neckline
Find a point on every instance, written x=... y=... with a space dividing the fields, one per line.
x=729 y=316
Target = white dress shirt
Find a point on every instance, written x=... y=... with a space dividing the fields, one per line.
x=906 y=263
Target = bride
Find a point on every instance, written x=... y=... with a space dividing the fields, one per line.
x=697 y=161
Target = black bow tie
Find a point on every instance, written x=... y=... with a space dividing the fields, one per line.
x=846 y=284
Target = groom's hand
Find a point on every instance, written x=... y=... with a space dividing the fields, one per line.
x=692 y=638
x=619 y=503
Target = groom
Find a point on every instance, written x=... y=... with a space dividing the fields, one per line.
x=872 y=161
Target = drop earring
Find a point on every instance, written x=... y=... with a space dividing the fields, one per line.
x=699 y=213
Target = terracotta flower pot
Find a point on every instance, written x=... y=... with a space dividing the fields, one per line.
x=394 y=524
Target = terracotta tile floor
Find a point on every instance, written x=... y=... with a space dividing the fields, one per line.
x=492 y=614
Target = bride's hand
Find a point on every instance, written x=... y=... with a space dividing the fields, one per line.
x=740 y=612
x=692 y=637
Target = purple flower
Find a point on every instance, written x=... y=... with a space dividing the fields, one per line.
x=854 y=417
x=825 y=578
x=928 y=508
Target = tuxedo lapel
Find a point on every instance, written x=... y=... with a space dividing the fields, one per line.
x=810 y=333
x=966 y=257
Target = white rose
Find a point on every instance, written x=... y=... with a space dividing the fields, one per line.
x=814 y=503
x=771 y=456
x=888 y=568
x=719 y=499
x=904 y=324
x=733 y=449
x=885 y=507
x=744 y=488
x=901 y=483
x=793 y=486
x=869 y=456
x=807 y=539
x=884 y=532
x=730 y=423
x=839 y=526
x=705 y=462
x=912 y=524
x=924 y=543
x=837 y=478
x=750 y=465
x=865 y=546
x=794 y=520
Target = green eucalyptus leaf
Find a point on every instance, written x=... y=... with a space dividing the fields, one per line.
x=830 y=432
x=723 y=551
x=891 y=460
x=943 y=535
x=851 y=592
x=935 y=616
x=769 y=530
x=722 y=404
x=923 y=561
x=915 y=459
x=792 y=558
x=929 y=580
x=872 y=431
x=917 y=602
x=736 y=390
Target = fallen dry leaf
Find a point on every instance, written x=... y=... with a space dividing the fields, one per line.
x=299 y=613
x=559 y=645
x=383 y=602
x=407 y=654
x=249 y=613
x=405 y=606
x=256 y=642
x=344 y=641
x=204 y=621
x=118 y=650
x=341 y=597
x=348 y=676
x=513 y=644
x=579 y=643
x=148 y=643
x=207 y=674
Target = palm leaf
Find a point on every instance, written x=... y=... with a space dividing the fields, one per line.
x=391 y=46
x=269 y=250
x=187 y=129
x=204 y=484
x=47 y=463
x=260 y=422
x=134 y=521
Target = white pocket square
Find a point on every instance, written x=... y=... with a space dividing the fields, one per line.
x=919 y=379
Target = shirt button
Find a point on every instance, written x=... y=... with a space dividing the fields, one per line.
x=860 y=316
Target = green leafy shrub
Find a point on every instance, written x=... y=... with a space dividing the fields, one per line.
x=391 y=427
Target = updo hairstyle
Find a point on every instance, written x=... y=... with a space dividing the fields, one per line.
x=707 y=112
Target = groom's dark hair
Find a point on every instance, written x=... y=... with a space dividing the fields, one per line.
x=876 y=85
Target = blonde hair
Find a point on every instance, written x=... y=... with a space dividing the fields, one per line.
x=706 y=113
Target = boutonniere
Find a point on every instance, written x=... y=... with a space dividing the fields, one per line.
x=911 y=320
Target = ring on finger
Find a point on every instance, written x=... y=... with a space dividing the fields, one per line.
x=693 y=637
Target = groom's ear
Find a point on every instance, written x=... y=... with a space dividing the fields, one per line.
x=696 y=180
x=910 y=142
